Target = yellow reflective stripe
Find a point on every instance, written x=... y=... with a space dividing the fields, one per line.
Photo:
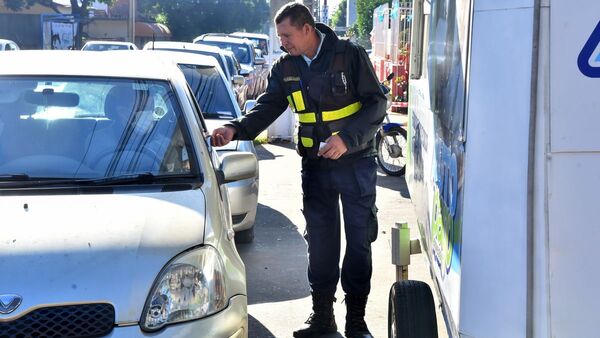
x=297 y=95
x=307 y=118
x=335 y=133
x=341 y=113
x=289 y=98
x=307 y=142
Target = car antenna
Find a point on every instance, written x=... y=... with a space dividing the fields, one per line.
x=153 y=38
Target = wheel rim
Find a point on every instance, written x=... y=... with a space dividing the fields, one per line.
x=388 y=161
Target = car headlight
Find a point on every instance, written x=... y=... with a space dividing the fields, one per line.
x=192 y=286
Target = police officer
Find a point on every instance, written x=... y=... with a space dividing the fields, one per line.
x=331 y=86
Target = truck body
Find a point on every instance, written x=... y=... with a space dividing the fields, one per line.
x=504 y=162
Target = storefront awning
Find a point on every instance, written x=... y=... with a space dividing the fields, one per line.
x=147 y=29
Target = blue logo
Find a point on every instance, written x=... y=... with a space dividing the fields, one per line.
x=589 y=58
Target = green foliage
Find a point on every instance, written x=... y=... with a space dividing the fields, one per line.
x=364 y=17
x=189 y=18
x=339 y=17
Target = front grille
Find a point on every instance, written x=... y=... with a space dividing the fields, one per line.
x=87 y=320
x=238 y=218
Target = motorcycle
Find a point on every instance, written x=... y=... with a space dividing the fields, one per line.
x=390 y=141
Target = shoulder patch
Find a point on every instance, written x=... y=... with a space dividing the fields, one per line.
x=291 y=79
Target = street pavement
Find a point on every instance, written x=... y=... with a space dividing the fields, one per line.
x=278 y=292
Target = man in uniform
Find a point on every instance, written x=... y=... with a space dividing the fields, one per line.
x=331 y=86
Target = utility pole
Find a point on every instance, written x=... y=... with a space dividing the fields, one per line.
x=131 y=22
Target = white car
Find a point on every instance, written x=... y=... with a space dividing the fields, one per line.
x=114 y=213
x=218 y=105
x=8 y=45
x=102 y=46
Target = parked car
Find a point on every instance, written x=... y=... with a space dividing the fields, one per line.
x=252 y=66
x=8 y=45
x=101 y=46
x=115 y=217
x=218 y=105
x=260 y=41
x=188 y=47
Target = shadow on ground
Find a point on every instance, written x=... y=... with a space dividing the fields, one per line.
x=276 y=261
x=395 y=183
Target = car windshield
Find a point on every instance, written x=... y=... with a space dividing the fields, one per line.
x=210 y=90
x=69 y=127
x=104 y=47
x=241 y=51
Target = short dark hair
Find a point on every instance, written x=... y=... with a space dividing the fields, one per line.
x=298 y=13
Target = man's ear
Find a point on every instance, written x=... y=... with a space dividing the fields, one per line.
x=306 y=28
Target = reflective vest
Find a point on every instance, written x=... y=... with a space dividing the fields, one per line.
x=324 y=102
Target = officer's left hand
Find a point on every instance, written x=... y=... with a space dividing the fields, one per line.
x=334 y=148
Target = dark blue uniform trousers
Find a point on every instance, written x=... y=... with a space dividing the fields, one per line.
x=355 y=185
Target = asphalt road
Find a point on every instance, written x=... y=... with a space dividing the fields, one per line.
x=278 y=293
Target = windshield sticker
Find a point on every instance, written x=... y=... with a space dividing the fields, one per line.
x=589 y=57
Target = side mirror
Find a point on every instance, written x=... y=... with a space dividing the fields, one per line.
x=248 y=105
x=259 y=61
x=236 y=166
x=244 y=72
x=238 y=80
x=266 y=66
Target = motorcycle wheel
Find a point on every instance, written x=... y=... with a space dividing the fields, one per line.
x=392 y=151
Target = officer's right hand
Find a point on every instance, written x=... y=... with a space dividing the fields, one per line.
x=222 y=135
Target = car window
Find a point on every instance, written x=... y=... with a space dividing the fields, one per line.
x=210 y=90
x=214 y=55
x=230 y=64
x=91 y=128
x=241 y=51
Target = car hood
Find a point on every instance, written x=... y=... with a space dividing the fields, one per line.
x=65 y=249
x=212 y=124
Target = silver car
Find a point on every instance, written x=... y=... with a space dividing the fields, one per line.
x=218 y=105
x=114 y=214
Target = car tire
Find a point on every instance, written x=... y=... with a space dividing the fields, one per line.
x=411 y=311
x=244 y=236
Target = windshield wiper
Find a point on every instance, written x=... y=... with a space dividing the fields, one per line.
x=14 y=177
x=137 y=178
x=24 y=180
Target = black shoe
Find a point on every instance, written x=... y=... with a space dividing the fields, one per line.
x=355 y=317
x=321 y=321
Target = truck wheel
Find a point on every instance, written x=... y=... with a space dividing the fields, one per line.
x=244 y=236
x=411 y=311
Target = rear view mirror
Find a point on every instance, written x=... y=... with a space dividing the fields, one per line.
x=237 y=165
x=49 y=97
x=244 y=72
x=248 y=105
x=238 y=80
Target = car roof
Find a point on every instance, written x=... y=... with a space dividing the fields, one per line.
x=251 y=35
x=187 y=58
x=181 y=45
x=116 y=64
x=107 y=42
x=228 y=39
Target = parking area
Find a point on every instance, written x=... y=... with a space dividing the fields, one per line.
x=278 y=292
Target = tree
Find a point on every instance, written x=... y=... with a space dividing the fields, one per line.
x=339 y=17
x=189 y=18
x=364 y=18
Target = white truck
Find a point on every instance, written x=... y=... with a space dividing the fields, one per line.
x=504 y=168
